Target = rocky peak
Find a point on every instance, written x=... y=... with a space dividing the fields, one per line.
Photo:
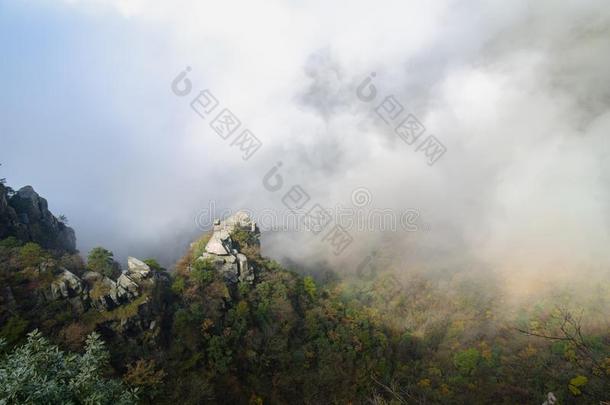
x=26 y=216
x=224 y=252
x=27 y=192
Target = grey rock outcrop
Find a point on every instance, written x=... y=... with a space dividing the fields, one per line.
x=217 y=246
x=66 y=285
x=127 y=288
x=137 y=269
x=223 y=251
x=26 y=216
x=246 y=272
x=102 y=292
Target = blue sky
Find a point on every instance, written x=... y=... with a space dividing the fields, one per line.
x=85 y=105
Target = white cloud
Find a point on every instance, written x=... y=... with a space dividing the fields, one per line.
x=512 y=89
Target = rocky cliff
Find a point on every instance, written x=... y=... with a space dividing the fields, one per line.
x=128 y=308
x=26 y=216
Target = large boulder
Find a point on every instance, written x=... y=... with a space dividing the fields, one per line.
x=216 y=246
x=66 y=285
x=137 y=269
x=224 y=253
x=91 y=277
x=128 y=289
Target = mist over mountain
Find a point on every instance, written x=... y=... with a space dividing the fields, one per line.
x=512 y=91
x=434 y=175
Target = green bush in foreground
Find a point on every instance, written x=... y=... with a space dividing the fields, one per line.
x=39 y=373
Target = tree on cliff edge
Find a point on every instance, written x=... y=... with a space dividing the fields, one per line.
x=102 y=261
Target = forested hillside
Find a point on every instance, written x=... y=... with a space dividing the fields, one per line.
x=231 y=326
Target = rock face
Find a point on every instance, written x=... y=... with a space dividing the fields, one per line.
x=108 y=294
x=26 y=216
x=138 y=269
x=127 y=288
x=66 y=285
x=224 y=252
x=101 y=292
x=246 y=273
x=127 y=310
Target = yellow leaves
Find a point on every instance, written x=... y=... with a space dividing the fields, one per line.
x=423 y=383
x=606 y=365
x=99 y=290
x=528 y=352
x=357 y=344
x=485 y=350
x=255 y=400
x=457 y=327
x=534 y=326
x=556 y=313
x=576 y=384
x=434 y=371
x=570 y=353
x=444 y=390
x=144 y=373
x=242 y=308
x=206 y=325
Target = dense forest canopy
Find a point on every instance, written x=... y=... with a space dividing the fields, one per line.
x=240 y=328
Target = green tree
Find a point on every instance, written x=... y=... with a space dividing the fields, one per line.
x=39 y=373
x=467 y=360
x=14 y=329
x=102 y=261
x=30 y=254
x=203 y=271
x=310 y=286
x=153 y=264
x=10 y=242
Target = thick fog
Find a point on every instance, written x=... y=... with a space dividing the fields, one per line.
x=516 y=93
